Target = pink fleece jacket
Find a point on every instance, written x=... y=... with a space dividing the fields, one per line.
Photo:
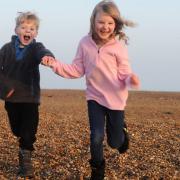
x=107 y=71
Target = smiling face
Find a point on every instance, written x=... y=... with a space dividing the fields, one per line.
x=26 y=31
x=104 y=26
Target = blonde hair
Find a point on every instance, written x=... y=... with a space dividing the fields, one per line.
x=29 y=16
x=110 y=8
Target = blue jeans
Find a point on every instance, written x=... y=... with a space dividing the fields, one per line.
x=99 y=117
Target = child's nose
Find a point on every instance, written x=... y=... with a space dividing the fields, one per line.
x=28 y=30
x=105 y=26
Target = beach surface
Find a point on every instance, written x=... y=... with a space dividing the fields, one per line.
x=62 y=146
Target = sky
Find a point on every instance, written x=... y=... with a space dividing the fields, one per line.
x=154 y=44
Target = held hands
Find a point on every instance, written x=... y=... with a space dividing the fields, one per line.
x=48 y=61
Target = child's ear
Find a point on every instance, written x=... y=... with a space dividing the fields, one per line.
x=15 y=30
x=36 y=34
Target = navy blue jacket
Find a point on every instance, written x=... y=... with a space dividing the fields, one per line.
x=22 y=75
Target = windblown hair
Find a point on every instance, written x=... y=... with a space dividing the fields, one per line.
x=109 y=7
x=27 y=16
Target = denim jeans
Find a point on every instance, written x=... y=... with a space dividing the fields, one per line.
x=99 y=117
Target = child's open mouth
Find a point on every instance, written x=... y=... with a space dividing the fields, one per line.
x=27 y=38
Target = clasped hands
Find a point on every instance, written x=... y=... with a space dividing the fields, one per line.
x=48 y=61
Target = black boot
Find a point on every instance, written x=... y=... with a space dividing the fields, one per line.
x=97 y=170
x=125 y=146
x=26 y=169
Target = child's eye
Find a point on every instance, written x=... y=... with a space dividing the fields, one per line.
x=101 y=22
x=111 y=23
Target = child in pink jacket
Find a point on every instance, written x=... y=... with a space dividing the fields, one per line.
x=103 y=60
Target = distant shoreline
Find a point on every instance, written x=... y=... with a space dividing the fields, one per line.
x=137 y=91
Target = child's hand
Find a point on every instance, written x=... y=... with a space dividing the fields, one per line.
x=48 y=61
x=135 y=80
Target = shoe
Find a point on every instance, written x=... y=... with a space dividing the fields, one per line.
x=26 y=169
x=125 y=146
x=97 y=170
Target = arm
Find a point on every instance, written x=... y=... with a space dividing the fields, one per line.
x=6 y=89
x=124 y=70
x=41 y=52
x=74 y=70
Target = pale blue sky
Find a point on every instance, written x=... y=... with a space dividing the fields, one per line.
x=154 y=46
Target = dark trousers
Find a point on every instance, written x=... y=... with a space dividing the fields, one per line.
x=99 y=117
x=23 y=119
